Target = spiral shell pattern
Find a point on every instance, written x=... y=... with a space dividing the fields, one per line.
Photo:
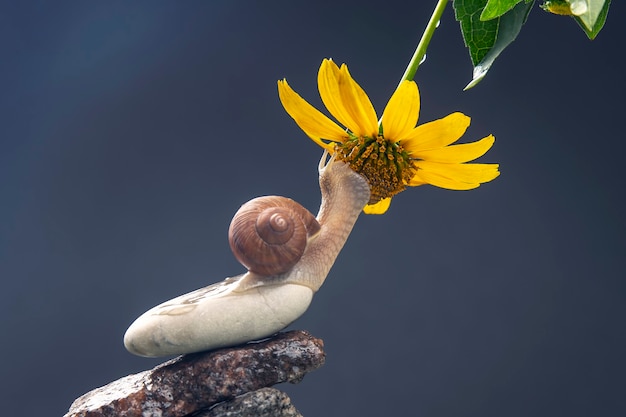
x=268 y=235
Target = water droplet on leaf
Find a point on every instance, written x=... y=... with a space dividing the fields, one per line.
x=578 y=7
x=477 y=75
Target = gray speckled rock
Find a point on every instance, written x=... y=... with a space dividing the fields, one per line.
x=195 y=382
x=266 y=402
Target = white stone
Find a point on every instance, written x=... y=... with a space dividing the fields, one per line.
x=216 y=316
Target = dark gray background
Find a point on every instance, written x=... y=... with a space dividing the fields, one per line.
x=132 y=131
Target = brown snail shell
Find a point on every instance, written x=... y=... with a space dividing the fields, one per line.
x=268 y=235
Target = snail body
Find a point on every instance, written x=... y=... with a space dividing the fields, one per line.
x=278 y=287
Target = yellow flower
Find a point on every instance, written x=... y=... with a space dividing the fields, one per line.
x=395 y=154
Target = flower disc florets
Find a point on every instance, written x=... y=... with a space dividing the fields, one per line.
x=384 y=163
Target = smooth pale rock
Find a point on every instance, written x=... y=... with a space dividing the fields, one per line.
x=219 y=315
x=195 y=382
x=265 y=402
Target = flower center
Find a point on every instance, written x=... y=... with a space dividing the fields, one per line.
x=384 y=163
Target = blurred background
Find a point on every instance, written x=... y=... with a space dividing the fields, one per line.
x=131 y=132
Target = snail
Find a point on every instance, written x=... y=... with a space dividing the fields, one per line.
x=288 y=253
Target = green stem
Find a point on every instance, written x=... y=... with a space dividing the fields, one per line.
x=420 y=51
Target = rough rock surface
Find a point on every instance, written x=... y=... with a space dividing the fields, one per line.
x=266 y=402
x=195 y=382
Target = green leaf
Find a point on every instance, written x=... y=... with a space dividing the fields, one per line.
x=589 y=14
x=487 y=39
x=592 y=20
x=496 y=8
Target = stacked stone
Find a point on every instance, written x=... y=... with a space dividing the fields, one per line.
x=226 y=382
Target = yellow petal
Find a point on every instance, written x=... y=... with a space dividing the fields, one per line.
x=436 y=134
x=357 y=104
x=378 y=208
x=312 y=121
x=328 y=86
x=447 y=183
x=400 y=115
x=454 y=176
x=415 y=181
x=456 y=153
